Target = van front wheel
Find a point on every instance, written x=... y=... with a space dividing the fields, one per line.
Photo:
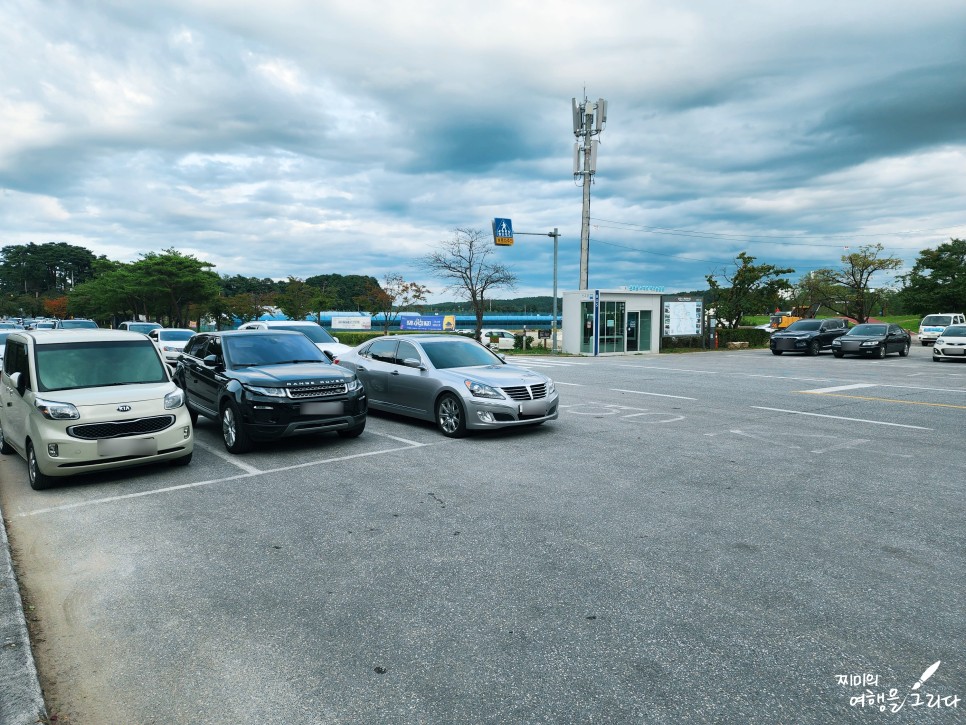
x=38 y=480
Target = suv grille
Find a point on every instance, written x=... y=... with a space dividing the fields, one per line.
x=121 y=428
x=336 y=387
x=527 y=392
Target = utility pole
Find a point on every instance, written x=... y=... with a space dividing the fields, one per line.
x=589 y=119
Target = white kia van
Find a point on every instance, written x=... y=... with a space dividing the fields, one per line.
x=79 y=401
x=932 y=326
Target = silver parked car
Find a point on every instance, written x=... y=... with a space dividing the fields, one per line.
x=451 y=380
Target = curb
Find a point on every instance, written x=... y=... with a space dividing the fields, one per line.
x=21 y=699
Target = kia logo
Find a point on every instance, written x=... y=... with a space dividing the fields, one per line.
x=123 y=408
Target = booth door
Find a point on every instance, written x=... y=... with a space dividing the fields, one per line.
x=633 y=318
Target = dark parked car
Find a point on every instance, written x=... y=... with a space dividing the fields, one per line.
x=264 y=385
x=873 y=338
x=451 y=380
x=807 y=336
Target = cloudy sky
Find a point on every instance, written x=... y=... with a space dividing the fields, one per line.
x=304 y=137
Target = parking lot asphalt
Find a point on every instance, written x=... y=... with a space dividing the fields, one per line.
x=706 y=538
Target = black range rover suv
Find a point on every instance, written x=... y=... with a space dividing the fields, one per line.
x=266 y=384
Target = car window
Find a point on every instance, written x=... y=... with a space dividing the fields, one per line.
x=195 y=347
x=315 y=333
x=458 y=354
x=172 y=335
x=266 y=349
x=70 y=365
x=78 y=325
x=382 y=350
x=937 y=320
x=406 y=350
x=15 y=360
x=954 y=331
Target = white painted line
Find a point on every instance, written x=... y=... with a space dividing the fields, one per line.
x=397 y=439
x=575 y=385
x=226 y=456
x=184 y=486
x=839 y=388
x=838 y=417
x=668 y=370
x=784 y=377
x=656 y=395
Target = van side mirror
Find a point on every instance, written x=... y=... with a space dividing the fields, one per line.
x=18 y=381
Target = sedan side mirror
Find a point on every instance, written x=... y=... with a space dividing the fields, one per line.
x=411 y=362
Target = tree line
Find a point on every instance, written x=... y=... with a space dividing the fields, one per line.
x=176 y=289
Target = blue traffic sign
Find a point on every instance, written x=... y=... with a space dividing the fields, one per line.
x=503 y=232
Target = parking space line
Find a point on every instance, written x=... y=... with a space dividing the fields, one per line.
x=670 y=370
x=225 y=456
x=397 y=439
x=839 y=417
x=197 y=484
x=893 y=400
x=656 y=395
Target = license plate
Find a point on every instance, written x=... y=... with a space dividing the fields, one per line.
x=115 y=447
x=335 y=408
x=533 y=407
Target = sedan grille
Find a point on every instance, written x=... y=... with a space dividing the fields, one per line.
x=320 y=390
x=527 y=392
x=121 y=428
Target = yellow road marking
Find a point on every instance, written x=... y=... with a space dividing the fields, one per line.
x=887 y=400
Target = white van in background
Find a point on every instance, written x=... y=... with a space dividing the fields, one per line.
x=932 y=326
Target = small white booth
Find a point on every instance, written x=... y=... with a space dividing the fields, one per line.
x=602 y=322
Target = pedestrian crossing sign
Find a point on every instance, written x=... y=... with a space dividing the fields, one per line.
x=503 y=232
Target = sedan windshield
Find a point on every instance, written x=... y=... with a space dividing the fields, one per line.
x=870 y=330
x=315 y=333
x=804 y=326
x=69 y=365
x=250 y=350
x=458 y=354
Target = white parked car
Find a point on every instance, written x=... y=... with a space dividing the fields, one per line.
x=505 y=340
x=78 y=401
x=951 y=344
x=315 y=332
x=170 y=341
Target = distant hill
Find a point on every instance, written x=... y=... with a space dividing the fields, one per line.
x=528 y=305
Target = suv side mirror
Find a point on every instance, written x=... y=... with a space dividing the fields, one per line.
x=211 y=361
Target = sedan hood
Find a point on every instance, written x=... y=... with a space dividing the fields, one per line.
x=281 y=375
x=860 y=338
x=499 y=375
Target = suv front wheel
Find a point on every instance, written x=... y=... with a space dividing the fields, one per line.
x=233 y=429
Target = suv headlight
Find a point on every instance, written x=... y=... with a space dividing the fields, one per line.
x=174 y=399
x=480 y=390
x=270 y=392
x=353 y=384
x=53 y=410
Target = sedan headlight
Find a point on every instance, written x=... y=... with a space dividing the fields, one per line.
x=270 y=392
x=870 y=343
x=550 y=386
x=174 y=399
x=836 y=343
x=480 y=390
x=53 y=410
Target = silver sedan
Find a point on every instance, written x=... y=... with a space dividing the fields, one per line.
x=453 y=381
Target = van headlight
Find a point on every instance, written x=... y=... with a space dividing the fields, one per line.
x=174 y=399
x=53 y=410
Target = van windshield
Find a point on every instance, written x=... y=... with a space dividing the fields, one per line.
x=937 y=320
x=72 y=365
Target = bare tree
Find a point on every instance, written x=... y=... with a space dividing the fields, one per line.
x=847 y=291
x=464 y=263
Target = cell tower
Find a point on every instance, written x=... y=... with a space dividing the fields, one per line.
x=589 y=120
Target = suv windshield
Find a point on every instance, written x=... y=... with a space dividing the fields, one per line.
x=248 y=350
x=315 y=333
x=458 y=354
x=70 y=365
x=937 y=319
x=804 y=326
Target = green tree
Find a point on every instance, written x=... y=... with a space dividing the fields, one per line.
x=749 y=289
x=393 y=296
x=298 y=299
x=340 y=292
x=171 y=281
x=54 y=267
x=937 y=282
x=465 y=263
x=847 y=291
